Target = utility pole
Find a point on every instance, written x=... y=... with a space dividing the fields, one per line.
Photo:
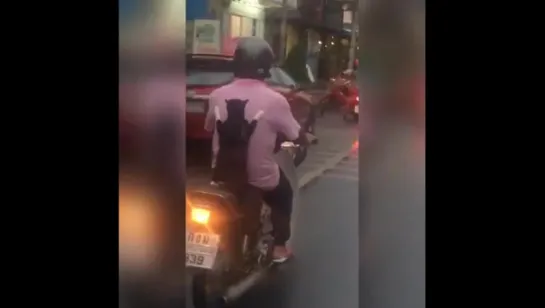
x=353 y=37
x=283 y=31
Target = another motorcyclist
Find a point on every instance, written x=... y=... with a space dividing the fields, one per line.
x=257 y=115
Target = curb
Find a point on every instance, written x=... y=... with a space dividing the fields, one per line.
x=309 y=177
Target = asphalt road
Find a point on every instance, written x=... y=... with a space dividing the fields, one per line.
x=324 y=272
x=335 y=137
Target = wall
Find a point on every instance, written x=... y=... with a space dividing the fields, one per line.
x=333 y=15
x=292 y=38
x=272 y=35
x=312 y=11
x=246 y=8
x=197 y=9
x=289 y=3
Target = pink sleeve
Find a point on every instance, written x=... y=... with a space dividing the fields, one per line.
x=210 y=120
x=284 y=121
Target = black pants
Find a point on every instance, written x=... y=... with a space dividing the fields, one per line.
x=280 y=200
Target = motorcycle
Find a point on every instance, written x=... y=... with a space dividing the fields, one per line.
x=351 y=107
x=229 y=242
x=343 y=96
x=334 y=99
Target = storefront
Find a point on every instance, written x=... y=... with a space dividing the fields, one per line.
x=273 y=25
x=203 y=28
x=244 y=18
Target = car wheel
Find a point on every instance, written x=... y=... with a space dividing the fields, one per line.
x=350 y=117
x=329 y=104
x=323 y=105
x=347 y=116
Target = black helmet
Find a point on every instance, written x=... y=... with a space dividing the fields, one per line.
x=253 y=58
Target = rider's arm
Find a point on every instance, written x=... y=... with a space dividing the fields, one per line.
x=210 y=120
x=284 y=121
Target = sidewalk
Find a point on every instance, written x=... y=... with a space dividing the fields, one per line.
x=335 y=139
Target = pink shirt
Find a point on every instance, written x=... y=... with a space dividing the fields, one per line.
x=263 y=171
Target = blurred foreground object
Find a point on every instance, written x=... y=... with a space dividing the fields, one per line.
x=392 y=174
x=392 y=221
x=151 y=129
x=139 y=225
x=392 y=51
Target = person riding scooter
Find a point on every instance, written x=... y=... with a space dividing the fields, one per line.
x=246 y=117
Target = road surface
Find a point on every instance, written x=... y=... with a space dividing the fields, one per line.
x=335 y=138
x=324 y=272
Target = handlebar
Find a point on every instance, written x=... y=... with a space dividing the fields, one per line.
x=288 y=145
x=282 y=141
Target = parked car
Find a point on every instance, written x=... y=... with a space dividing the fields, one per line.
x=205 y=73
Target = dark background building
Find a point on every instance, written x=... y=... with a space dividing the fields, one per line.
x=315 y=37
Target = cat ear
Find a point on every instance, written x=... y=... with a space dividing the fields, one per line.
x=245 y=101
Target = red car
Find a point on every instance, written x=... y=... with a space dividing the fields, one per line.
x=206 y=73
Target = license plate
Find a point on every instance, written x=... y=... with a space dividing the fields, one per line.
x=195 y=107
x=356 y=109
x=201 y=249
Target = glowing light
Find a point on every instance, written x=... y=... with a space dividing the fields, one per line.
x=200 y=215
x=355 y=146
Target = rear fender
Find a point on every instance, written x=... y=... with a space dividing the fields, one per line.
x=214 y=198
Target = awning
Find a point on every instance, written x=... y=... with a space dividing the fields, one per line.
x=325 y=28
x=294 y=17
x=276 y=13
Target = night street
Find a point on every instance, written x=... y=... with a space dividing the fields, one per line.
x=214 y=95
x=324 y=272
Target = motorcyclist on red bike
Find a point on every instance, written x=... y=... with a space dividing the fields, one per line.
x=249 y=116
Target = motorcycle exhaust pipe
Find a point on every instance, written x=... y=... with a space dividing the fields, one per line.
x=236 y=291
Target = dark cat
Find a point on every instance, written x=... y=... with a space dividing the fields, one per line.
x=234 y=136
